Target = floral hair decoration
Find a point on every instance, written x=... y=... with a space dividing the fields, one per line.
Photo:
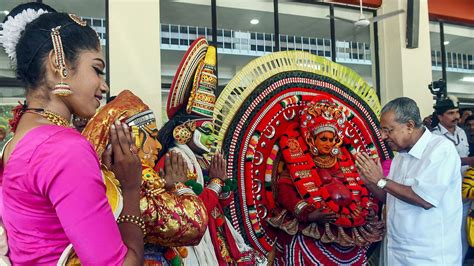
x=13 y=27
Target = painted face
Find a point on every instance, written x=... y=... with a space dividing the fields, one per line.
x=324 y=142
x=450 y=118
x=203 y=136
x=87 y=84
x=149 y=145
x=395 y=134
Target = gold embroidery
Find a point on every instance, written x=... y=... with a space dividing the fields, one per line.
x=295 y=149
x=310 y=187
x=303 y=173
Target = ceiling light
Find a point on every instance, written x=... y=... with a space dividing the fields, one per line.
x=446 y=42
x=468 y=79
x=254 y=21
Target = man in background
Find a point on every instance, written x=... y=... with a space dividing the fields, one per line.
x=447 y=112
x=464 y=113
x=469 y=124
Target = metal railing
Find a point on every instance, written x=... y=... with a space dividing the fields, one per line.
x=179 y=37
x=455 y=62
x=98 y=24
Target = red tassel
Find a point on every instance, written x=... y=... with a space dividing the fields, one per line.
x=17 y=112
x=170 y=254
x=219 y=221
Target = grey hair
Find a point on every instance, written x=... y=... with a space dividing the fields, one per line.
x=405 y=109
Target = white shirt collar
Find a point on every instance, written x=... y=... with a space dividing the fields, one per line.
x=419 y=147
x=444 y=131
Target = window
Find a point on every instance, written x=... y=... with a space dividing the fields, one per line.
x=459 y=46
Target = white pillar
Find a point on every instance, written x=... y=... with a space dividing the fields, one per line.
x=134 y=50
x=405 y=72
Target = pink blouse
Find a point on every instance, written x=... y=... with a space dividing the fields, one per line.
x=54 y=195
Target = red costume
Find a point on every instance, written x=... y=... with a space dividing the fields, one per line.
x=328 y=182
x=267 y=121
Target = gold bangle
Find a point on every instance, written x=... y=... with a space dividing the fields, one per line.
x=216 y=185
x=181 y=189
x=177 y=186
x=299 y=207
x=184 y=191
x=133 y=219
x=217 y=181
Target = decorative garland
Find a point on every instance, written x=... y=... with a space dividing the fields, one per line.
x=254 y=104
x=263 y=94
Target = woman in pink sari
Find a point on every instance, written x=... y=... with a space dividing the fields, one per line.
x=53 y=190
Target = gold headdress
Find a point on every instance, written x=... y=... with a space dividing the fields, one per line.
x=124 y=106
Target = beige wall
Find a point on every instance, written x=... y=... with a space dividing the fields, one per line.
x=405 y=72
x=134 y=41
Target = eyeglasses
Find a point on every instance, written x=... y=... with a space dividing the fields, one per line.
x=386 y=130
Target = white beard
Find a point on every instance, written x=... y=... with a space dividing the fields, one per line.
x=197 y=140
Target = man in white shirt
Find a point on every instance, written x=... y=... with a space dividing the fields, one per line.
x=422 y=191
x=447 y=112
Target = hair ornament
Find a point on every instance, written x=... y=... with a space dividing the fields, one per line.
x=14 y=26
x=78 y=20
x=183 y=133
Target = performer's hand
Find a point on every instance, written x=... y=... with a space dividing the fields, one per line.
x=175 y=169
x=217 y=169
x=121 y=156
x=318 y=216
x=369 y=170
x=371 y=215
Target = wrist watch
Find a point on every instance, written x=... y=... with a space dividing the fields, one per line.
x=382 y=183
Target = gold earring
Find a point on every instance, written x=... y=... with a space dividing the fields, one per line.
x=61 y=88
x=314 y=150
x=182 y=134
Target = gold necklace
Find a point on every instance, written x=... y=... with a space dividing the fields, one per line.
x=52 y=117
x=325 y=161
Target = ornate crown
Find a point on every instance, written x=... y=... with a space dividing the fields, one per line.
x=321 y=115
